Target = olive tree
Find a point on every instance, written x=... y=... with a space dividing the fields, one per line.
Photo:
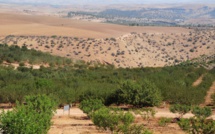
x=138 y=95
x=34 y=117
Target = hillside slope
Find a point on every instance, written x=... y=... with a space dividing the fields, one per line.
x=129 y=50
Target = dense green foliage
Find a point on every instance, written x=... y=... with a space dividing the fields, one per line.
x=113 y=119
x=184 y=124
x=117 y=121
x=201 y=113
x=213 y=99
x=132 y=93
x=108 y=119
x=91 y=105
x=32 y=118
x=70 y=83
x=200 y=123
x=164 y=121
x=93 y=86
x=181 y=109
x=13 y=54
x=138 y=129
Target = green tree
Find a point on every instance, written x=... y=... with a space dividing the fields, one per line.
x=132 y=93
x=199 y=124
x=114 y=120
x=32 y=118
x=91 y=105
x=201 y=113
x=180 y=109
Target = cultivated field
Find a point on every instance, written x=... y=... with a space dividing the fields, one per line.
x=122 y=46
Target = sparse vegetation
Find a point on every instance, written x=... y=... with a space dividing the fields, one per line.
x=164 y=121
x=200 y=123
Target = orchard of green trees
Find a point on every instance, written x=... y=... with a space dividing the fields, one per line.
x=68 y=83
x=12 y=54
x=171 y=84
x=96 y=86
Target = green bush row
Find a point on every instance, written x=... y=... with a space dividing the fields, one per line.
x=22 y=54
x=73 y=85
x=112 y=119
x=79 y=82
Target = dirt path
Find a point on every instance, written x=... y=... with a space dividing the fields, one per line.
x=210 y=92
x=78 y=123
x=198 y=81
x=75 y=123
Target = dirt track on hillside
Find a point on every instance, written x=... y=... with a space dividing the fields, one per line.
x=210 y=92
x=198 y=81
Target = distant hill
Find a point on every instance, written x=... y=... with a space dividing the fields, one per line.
x=109 y=1
x=152 y=16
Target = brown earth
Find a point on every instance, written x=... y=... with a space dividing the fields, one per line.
x=18 y=24
x=122 y=46
x=78 y=123
x=211 y=91
x=129 y=50
x=198 y=81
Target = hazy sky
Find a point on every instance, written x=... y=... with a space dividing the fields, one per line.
x=109 y=1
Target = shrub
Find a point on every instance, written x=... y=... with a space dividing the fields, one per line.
x=113 y=39
x=104 y=119
x=201 y=113
x=202 y=126
x=164 y=121
x=113 y=120
x=54 y=36
x=32 y=118
x=138 y=129
x=125 y=121
x=184 y=124
x=145 y=113
x=181 y=109
x=91 y=105
x=213 y=99
x=191 y=50
x=21 y=64
x=199 y=124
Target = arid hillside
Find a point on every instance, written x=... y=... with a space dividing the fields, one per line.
x=129 y=50
x=123 y=46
